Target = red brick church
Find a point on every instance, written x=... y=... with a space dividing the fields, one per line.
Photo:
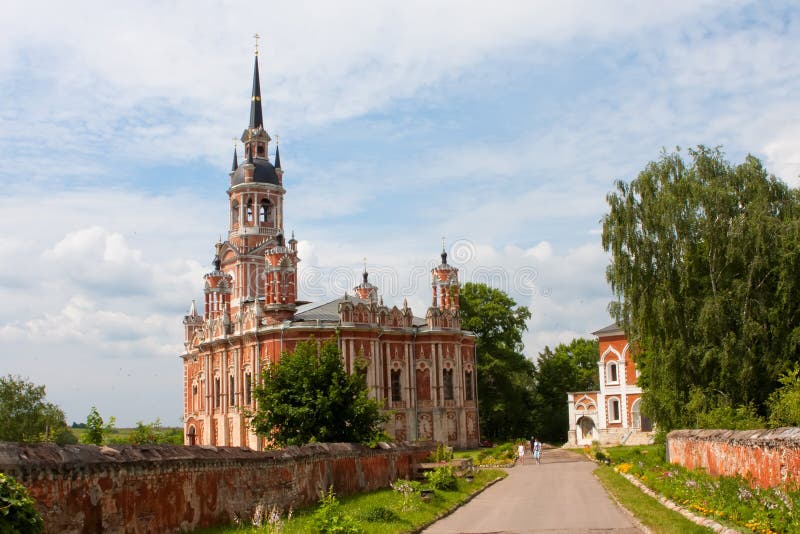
x=421 y=369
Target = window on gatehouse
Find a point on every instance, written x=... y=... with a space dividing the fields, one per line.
x=231 y=397
x=613 y=410
x=217 y=392
x=468 y=385
x=613 y=375
x=249 y=212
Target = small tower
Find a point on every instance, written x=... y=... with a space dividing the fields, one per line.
x=280 y=281
x=191 y=323
x=365 y=290
x=218 y=293
x=445 y=302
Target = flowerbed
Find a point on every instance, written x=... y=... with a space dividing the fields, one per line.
x=729 y=499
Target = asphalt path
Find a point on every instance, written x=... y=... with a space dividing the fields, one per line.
x=558 y=496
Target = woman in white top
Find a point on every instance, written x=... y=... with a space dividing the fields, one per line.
x=521 y=453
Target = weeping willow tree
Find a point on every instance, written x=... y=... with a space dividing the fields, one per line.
x=705 y=265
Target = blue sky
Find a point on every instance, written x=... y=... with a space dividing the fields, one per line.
x=501 y=127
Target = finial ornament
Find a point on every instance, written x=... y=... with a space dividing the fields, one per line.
x=256 y=37
x=443 y=240
x=365 y=264
x=278 y=139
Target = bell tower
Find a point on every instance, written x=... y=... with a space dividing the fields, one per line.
x=256 y=205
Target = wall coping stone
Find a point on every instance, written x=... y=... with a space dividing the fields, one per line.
x=29 y=460
x=772 y=438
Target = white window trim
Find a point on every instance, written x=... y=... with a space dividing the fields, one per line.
x=611 y=403
x=615 y=363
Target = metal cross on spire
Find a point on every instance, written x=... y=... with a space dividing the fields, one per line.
x=443 y=240
x=256 y=37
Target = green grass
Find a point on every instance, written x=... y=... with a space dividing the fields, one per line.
x=648 y=511
x=361 y=506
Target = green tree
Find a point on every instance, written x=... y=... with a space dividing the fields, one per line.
x=154 y=434
x=96 y=428
x=570 y=367
x=784 y=402
x=25 y=414
x=505 y=375
x=704 y=264
x=307 y=396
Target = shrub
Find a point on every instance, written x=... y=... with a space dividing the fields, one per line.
x=329 y=518
x=443 y=453
x=17 y=512
x=442 y=478
x=378 y=514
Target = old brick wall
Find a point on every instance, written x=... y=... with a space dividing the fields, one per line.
x=161 y=488
x=768 y=457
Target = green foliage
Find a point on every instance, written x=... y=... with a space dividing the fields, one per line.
x=330 y=518
x=502 y=455
x=505 y=375
x=443 y=453
x=154 y=434
x=710 y=411
x=705 y=258
x=784 y=402
x=25 y=414
x=442 y=478
x=96 y=429
x=18 y=515
x=380 y=514
x=308 y=396
x=570 y=367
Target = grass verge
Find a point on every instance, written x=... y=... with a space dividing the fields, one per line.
x=646 y=509
x=383 y=511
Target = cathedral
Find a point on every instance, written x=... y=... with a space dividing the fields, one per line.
x=421 y=370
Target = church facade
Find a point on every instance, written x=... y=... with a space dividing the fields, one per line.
x=421 y=370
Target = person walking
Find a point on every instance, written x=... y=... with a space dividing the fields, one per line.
x=537 y=450
x=521 y=453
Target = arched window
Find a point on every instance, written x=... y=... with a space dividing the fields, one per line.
x=447 y=379
x=231 y=398
x=613 y=410
x=235 y=213
x=249 y=212
x=192 y=435
x=612 y=375
x=217 y=392
x=396 y=389
x=265 y=211
x=468 y=385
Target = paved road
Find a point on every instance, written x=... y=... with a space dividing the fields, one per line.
x=559 y=496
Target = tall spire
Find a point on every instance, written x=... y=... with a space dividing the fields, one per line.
x=256 y=117
x=235 y=158
x=277 y=156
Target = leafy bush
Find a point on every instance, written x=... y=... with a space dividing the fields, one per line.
x=443 y=453
x=17 y=511
x=784 y=402
x=442 y=478
x=329 y=518
x=379 y=514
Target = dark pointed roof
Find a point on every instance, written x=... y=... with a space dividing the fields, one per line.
x=277 y=157
x=235 y=160
x=264 y=172
x=256 y=116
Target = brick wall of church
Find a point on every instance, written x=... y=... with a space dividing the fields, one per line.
x=769 y=457
x=84 y=488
